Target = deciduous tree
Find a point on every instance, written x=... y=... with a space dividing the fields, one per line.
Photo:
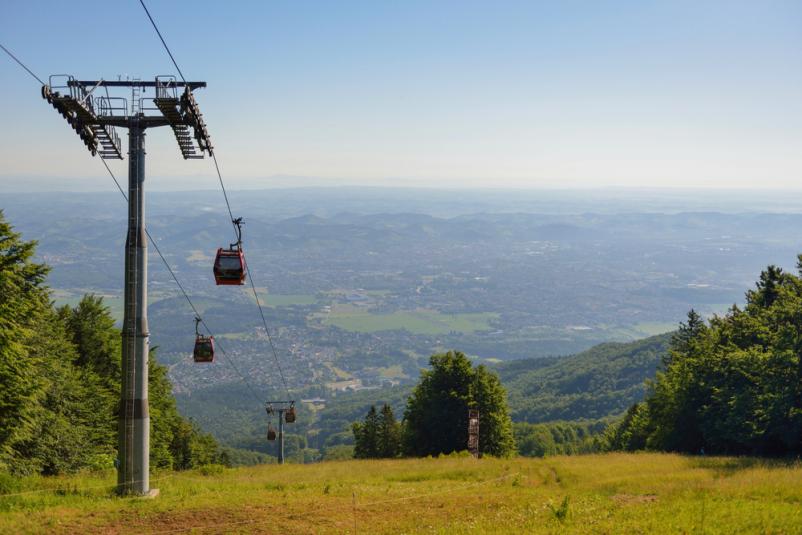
x=436 y=416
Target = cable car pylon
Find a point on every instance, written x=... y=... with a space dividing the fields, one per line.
x=94 y=119
x=286 y=413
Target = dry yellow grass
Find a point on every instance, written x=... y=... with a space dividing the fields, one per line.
x=612 y=493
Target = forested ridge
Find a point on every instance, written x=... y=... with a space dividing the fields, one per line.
x=60 y=380
x=598 y=383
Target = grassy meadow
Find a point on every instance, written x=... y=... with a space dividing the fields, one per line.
x=610 y=493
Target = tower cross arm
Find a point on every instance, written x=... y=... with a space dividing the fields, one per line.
x=133 y=83
x=147 y=121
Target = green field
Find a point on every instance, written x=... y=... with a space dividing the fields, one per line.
x=283 y=300
x=417 y=321
x=612 y=493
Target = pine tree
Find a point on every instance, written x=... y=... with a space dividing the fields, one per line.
x=389 y=434
x=75 y=417
x=366 y=436
x=60 y=377
x=92 y=330
x=23 y=301
x=682 y=340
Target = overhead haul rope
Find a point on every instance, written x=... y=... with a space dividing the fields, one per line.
x=158 y=251
x=234 y=221
x=162 y=39
x=7 y=51
x=184 y=292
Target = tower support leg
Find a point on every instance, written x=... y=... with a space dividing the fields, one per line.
x=134 y=420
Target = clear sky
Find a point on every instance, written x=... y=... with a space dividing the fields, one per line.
x=439 y=93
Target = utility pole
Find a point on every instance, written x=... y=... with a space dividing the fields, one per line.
x=94 y=118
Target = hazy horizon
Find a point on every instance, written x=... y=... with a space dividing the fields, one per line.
x=103 y=183
x=326 y=201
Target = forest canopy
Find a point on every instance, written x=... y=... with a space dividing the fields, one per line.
x=733 y=386
x=60 y=380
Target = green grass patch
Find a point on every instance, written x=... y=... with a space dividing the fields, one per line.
x=283 y=300
x=610 y=493
x=391 y=372
x=235 y=336
x=417 y=321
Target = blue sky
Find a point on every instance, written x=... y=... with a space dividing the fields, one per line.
x=436 y=93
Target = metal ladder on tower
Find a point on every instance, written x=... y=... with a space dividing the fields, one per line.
x=136 y=96
x=168 y=103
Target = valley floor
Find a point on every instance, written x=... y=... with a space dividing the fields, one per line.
x=611 y=493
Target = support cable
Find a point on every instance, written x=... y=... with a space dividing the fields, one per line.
x=253 y=285
x=175 y=63
x=155 y=245
x=230 y=214
x=269 y=338
x=162 y=39
x=184 y=292
x=21 y=64
x=158 y=251
x=223 y=187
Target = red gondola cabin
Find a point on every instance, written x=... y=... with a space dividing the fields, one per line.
x=229 y=267
x=204 y=349
x=204 y=345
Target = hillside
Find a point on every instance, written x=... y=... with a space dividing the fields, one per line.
x=602 y=381
x=361 y=289
x=613 y=493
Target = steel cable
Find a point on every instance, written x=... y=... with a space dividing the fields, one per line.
x=162 y=40
x=230 y=215
x=7 y=51
x=184 y=292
